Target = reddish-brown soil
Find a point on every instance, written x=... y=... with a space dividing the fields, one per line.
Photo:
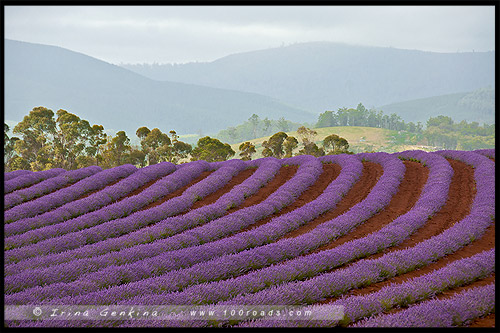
x=212 y=197
x=369 y=177
x=177 y=192
x=457 y=206
x=459 y=200
x=284 y=174
x=330 y=172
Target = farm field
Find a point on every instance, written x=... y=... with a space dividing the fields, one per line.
x=403 y=239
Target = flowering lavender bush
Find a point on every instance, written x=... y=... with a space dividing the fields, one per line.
x=183 y=176
x=184 y=257
x=455 y=274
x=13 y=174
x=171 y=254
x=30 y=179
x=62 y=196
x=122 y=226
x=79 y=207
x=48 y=185
x=267 y=169
x=449 y=312
x=486 y=152
x=300 y=182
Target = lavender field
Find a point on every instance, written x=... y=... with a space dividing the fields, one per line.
x=404 y=239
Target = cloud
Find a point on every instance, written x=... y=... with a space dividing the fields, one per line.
x=131 y=34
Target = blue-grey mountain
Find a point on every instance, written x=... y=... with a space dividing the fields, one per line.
x=57 y=78
x=326 y=76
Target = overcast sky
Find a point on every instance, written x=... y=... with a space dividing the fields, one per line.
x=179 y=34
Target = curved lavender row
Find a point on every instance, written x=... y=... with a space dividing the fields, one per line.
x=132 y=222
x=393 y=263
x=30 y=179
x=486 y=152
x=449 y=312
x=279 y=251
x=16 y=173
x=304 y=178
x=303 y=267
x=268 y=168
x=181 y=177
x=205 y=252
x=458 y=273
x=67 y=194
x=80 y=207
x=49 y=185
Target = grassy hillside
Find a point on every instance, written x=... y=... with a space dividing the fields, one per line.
x=360 y=139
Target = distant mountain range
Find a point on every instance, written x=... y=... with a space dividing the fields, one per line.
x=118 y=99
x=296 y=82
x=478 y=106
x=326 y=76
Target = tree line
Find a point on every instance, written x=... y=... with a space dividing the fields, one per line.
x=440 y=131
x=44 y=140
x=255 y=127
x=281 y=145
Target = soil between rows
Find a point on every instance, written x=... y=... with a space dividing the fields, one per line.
x=460 y=198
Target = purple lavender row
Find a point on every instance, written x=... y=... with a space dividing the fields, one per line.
x=67 y=194
x=132 y=222
x=486 y=152
x=14 y=174
x=455 y=311
x=306 y=266
x=268 y=167
x=284 y=249
x=80 y=207
x=181 y=177
x=30 y=179
x=49 y=185
x=304 y=178
x=456 y=274
x=394 y=263
x=189 y=256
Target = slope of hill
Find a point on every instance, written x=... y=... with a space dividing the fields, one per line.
x=42 y=75
x=324 y=76
x=478 y=105
x=360 y=139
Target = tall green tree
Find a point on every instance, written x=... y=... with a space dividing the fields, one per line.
x=155 y=144
x=247 y=149
x=96 y=141
x=178 y=150
x=37 y=131
x=254 y=122
x=117 y=150
x=334 y=144
x=8 y=148
x=70 y=140
x=211 y=150
x=274 y=145
x=289 y=145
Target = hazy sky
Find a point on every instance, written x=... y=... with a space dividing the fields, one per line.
x=179 y=34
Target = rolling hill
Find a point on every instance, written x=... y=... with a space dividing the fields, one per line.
x=321 y=76
x=57 y=78
x=360 y=139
